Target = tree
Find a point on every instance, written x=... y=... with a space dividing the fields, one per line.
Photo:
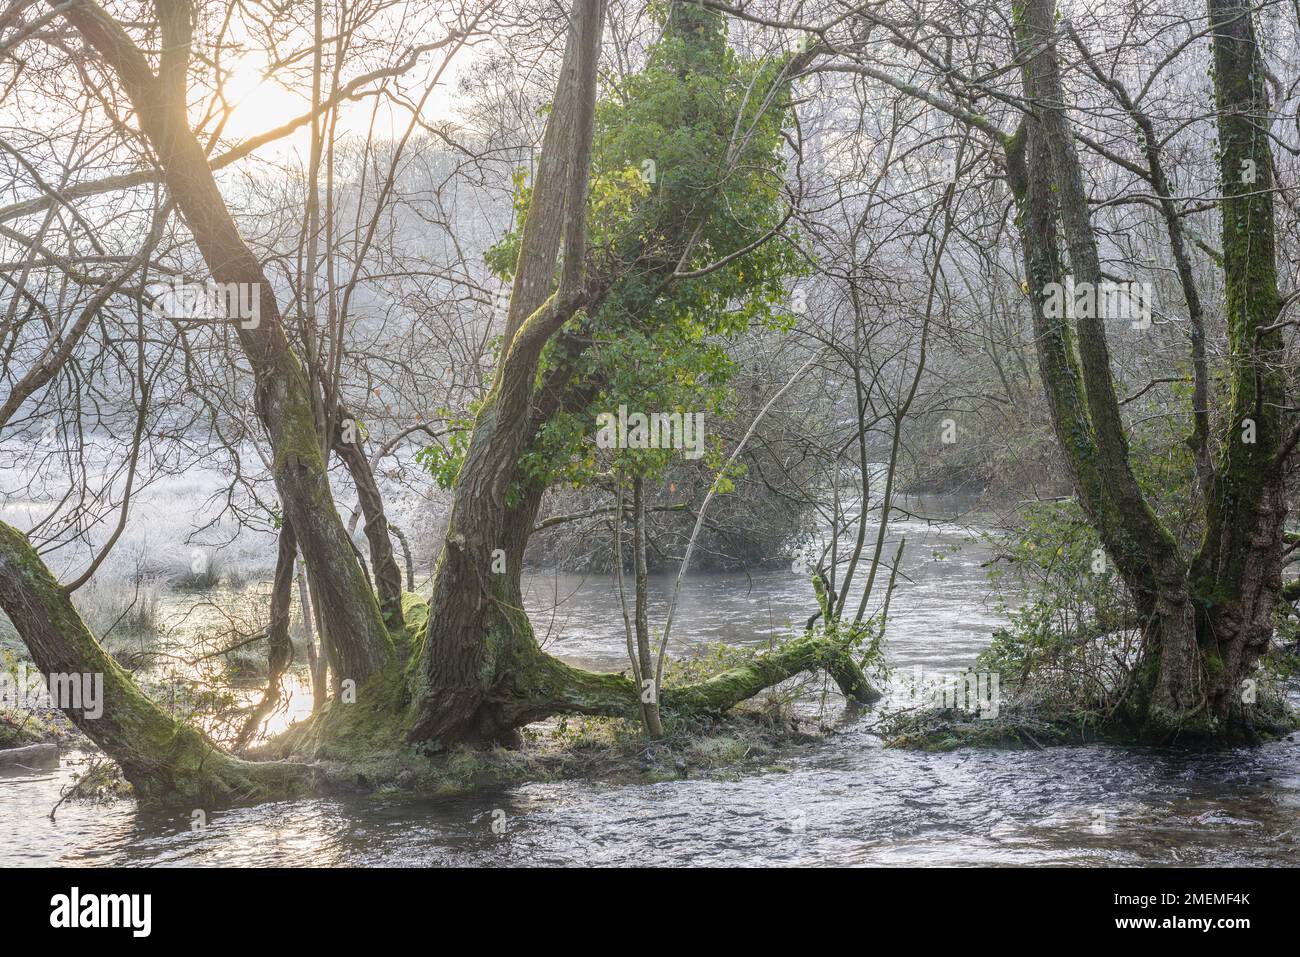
x=1207 y=620
x=468 y=669
x=1207 y=612
x=357 y=640
x=480 y=672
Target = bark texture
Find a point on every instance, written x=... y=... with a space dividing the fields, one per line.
x=1209 y=617
x=478 y=635
x=160 y=756
x=349 y=612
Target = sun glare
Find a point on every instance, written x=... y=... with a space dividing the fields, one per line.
x=257 y=102
x=243 y=78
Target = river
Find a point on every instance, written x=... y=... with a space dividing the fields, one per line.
x=843 y=801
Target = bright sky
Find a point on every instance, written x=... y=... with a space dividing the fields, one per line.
x=260 y=103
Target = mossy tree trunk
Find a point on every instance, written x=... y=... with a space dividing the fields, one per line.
x=1236 y=576
x=160 y=756
x=350 y=616
x=1208 y=619
x=477 y=641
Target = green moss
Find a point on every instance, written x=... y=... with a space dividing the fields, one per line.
x=351 y=732
x=604 y=749
x=719 y=750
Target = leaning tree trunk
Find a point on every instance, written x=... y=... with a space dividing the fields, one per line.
x=160 y=756
x=519 y=683
x=350 y=616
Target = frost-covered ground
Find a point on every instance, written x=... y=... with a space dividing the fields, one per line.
x=181 y=537
x=177 y=520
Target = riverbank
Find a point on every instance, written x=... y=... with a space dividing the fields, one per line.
x=19 y=729
x=842 y=798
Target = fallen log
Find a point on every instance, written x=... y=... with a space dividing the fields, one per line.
x=30 y=755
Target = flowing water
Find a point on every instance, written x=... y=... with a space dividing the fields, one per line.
x=846 y=800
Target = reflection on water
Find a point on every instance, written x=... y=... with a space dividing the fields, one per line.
x=845 y=801
x=294 y=706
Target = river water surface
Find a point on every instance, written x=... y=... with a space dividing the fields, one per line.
x=843 y=801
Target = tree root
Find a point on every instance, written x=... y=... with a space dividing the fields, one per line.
x=166 y=760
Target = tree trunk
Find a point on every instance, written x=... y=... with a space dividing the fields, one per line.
x=159 y=756
x=316 y=663
x=650 y=694
x=279 y=647
x=478 y=637
x=1207 y=624
x=1199 y=439
x=407 y=560
x=1237 y=573
x=388 y=578
x=350 y=615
